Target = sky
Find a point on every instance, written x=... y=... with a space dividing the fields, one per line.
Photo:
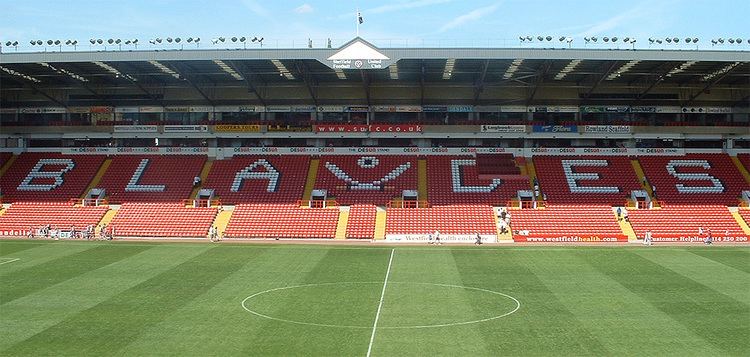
x=398 y=23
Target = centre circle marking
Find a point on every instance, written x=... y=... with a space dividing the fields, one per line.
x=248 y=309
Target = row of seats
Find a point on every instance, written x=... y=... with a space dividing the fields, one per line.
x=745 y=160
x=152 y=178
x=685 y=221
x=172 y=220
x=20 y=217
x=361 y=224
x=565 y=221
x=456 y=180
x=607 y=180
x=5 y=157
x=373 y=179
x=281 y=221
x=452 y=220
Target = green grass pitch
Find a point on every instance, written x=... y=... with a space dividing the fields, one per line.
x=186 y=299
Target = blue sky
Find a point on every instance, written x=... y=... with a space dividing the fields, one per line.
x=396 y=21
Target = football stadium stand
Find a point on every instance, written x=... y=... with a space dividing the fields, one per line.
x=564 y=223
x=463 y=180
x=361 y=222
x=369 y=179
x=675 y=223
x=606 y=180
x=173 y=220
x=259 y=179
x=705 y=179
x=745 y=160
x=281 y=221
x=48 y=177
x=5 y=157
x=22 y=216
x=152 y=178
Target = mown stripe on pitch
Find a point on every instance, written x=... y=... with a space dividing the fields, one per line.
x=22 y=282
x=113 y=324
x=738 y=258
x=278 y=338
x=543 y=318
x=722 y=320
x=710 y=273
x=612 y=311
x=40 y=254
x=12 y=247
x=33 y=313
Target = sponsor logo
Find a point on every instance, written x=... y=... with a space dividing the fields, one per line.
x=228 y=128
x=555 y=128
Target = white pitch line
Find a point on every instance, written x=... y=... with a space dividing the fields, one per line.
x=10 y=261
x=380 y=305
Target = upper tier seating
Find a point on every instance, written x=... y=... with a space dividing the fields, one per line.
x=451 y=220
x=172 y=220
x=282 y=221
x=368 y=179
x=257 y=179
x=151 y=178
x=606 y=180
x=496 y=164
x=22 y=216
x=710 y=179
x=361 y=223
x=674 y=221
x=49 y=177
x=455 y=180
x=565 y=221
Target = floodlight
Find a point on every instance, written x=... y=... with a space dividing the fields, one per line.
x=117 y=41
x=587 y=39
x=614 y=39
x=127 y=42
x=222 y=39
x=197 y=39
x=169 y=39
x=659 y=41
x=669 y=40
x=8 y=44
x=676 y=40
x=260 y=40
x=529 y=38
x=189 y=40
x=626 y=39
x=562 y=38
x=215 y=41
x=606 y=39
x=99 y=41
x=32 y=42
x=521 y=38
x=713 y=41
x=15 y=43
x=110 y=41
x=158 y=40
x=57 y=42
x=594 y=39
x=50 y=42
x=738 y=40
x=721 y=40
x=688 y=40
x=540 y=38
x=549 y=38
x=135 y=41
x=695 y=40
x=67 y=42
x=153 y=42
x=731 y=40
x=242 y=39
x=651 y=40
x=177 y=40
x=234 y=39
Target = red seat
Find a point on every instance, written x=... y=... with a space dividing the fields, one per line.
x=46 y=177
x=282 y=221
x=163 y=220
x=22 y=216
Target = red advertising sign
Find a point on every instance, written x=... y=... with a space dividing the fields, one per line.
x=570 y=239
x=375 y=128
x=676 y=238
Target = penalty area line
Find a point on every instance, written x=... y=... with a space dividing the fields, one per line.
x=380 y=305
x=9 y=261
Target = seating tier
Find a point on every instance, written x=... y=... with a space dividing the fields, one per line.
x=251 y=179
x=451 y=220
x=674 y=221
x=48 y=177
x=22 y=216
x=565 y=221
x=282 y=221
x=367 y=179
x=172 y=220
x=456 y=180
x=361 y=223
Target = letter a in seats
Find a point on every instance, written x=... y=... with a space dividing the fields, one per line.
x=134 y=186
x=271 y=174
x=37 y=173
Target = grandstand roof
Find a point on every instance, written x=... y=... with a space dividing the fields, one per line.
x=593 y=76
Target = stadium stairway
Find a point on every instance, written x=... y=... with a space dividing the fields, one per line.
x=312 y=176
x=531 y=170
x=343 y=223
x=8 y=164
x=506 y=237
x=222 y=220
x=737 y=217
x=422 y=178
x=106 y=219
x=627 y=229
x=380 y=224
x=641 y=178
x=98 y=177
x=203 y=175
x=741 y=168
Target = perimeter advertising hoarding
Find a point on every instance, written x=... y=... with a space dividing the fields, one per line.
x=375 y=128
x=503 y=128
x=236 y=128
x=555 y=128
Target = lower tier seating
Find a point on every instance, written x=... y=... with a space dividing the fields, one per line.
x=23 y=216
x=745 y=214
x=282 y=221
x=48 y=177
x=172 y=220
x=361 y=223
x=685 y=221
x=565 y=223
x=450 y=220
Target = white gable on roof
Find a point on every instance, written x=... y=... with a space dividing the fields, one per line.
x=358 y=50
